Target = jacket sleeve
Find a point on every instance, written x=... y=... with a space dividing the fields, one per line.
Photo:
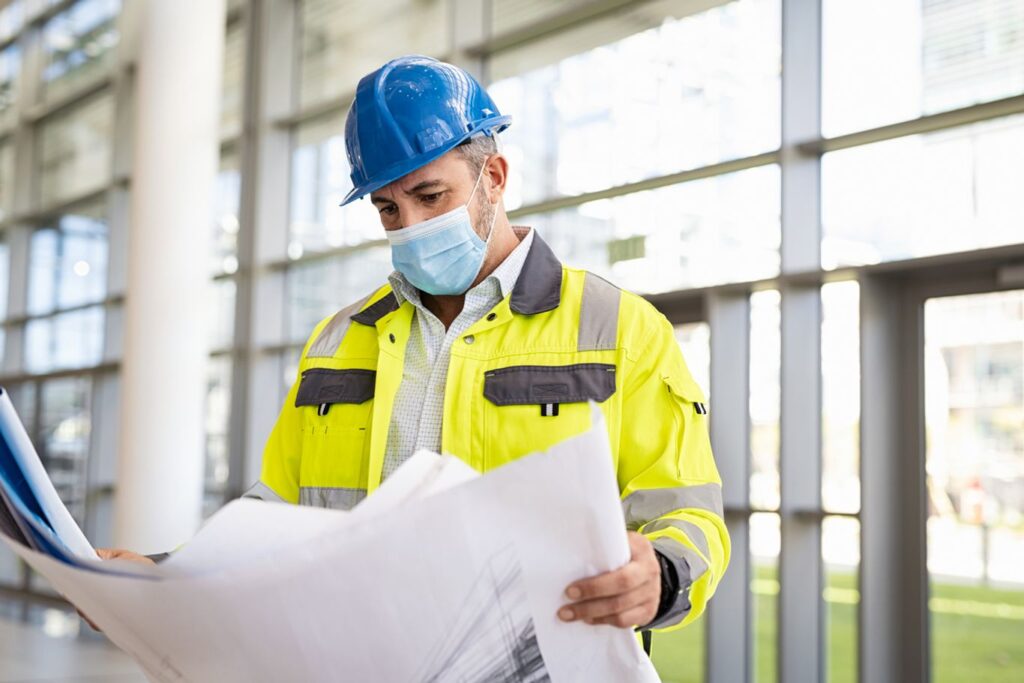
x=671 y=490
x=282 y=454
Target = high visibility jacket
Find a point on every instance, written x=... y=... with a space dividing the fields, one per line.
x=519 y=381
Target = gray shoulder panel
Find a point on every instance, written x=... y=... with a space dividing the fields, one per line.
x=332 y=334
x=599 y=315
x=377 y=310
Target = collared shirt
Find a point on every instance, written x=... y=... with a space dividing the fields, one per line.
x=419 y=402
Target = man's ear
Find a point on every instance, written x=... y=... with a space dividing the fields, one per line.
x=496 y=169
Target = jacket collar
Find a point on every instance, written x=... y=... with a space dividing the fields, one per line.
x=539 y=287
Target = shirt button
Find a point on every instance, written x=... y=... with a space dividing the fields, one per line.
x=492 y=316
x=469 y=339
x=392 y=338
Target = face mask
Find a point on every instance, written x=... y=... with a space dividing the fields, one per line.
x=442 y=255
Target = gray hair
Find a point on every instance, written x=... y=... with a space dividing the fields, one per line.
x=475 y=151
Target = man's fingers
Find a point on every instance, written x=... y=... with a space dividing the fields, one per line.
x=610 y=583
x=633 y=617
x=608 y=606
x=117 y=554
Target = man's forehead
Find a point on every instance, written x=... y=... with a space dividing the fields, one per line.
x=438 y=173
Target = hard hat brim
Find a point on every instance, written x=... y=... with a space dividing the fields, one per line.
x=492 y=126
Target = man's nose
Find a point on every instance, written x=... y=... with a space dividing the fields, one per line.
x=413 y=215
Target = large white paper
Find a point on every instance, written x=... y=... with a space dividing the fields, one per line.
x=446 y=577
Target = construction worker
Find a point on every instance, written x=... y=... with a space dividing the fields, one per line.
x=483 y=345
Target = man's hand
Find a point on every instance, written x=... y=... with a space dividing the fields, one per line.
x=115 y=554
x=625 y=597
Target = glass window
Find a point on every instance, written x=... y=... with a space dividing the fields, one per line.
x=765 y=398
x=6 y=180
x=948 y=191
x=222 y=313
x=64 y=341
x=78 y=45
x=320 y=180
x=691 y=90
x=12 y=19
x=922 y=57
x=695 y=341
x=765 y=544
x=68 y=262
x=233 y=85
x=689 y=235
x=289 y=370
x=218 y=412
x=974 y=421
x=840 y=404
x=63 y=441
x=75 y=150
x=342 y=41
x=5 y=273
x=227 y=198
x=10 y=66
x=840 y=551
x=319 y=288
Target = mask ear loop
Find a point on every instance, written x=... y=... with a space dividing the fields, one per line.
x=494 y=215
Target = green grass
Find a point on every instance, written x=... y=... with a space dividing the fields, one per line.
x=977 y=635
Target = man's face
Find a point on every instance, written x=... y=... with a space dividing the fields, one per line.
x=440 y=186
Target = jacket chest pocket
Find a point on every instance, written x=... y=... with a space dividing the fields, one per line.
x=337 y=406
x=530 y=408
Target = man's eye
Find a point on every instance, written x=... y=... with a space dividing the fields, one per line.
x=388 y=211
x=432 y=197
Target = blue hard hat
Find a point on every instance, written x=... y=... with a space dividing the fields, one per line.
x=410 y=112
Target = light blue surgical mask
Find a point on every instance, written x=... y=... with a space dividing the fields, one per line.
x=442 y=255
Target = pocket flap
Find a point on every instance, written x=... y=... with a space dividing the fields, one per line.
x=324 y=385
x=685 y=387
x=540 y=384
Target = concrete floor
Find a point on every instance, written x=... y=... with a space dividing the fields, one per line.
x=56 y=646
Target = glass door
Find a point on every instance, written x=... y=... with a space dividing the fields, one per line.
x=974 y=425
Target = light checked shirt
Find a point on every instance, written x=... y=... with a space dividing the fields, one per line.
x=419 y=402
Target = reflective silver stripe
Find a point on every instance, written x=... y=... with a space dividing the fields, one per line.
x=689 y=567
x=648 y=504
x=673 y=549
x=330 y=337
x=692 y=531
x=599 y=315
x=261 y=491
x=334 y=498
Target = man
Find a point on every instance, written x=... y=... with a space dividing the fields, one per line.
x=483 y=345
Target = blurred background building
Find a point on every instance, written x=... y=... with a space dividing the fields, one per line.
x=825 y=196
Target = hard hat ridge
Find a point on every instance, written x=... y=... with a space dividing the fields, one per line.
x=408 y=113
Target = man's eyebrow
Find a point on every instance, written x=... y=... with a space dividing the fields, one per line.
x=419 y=187
x=425 y=185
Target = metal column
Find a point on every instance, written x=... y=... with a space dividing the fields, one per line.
x=729 y=617
x=801 y=621
x=893 y=576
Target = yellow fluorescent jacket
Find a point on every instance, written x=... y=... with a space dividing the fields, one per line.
x=563 y=337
